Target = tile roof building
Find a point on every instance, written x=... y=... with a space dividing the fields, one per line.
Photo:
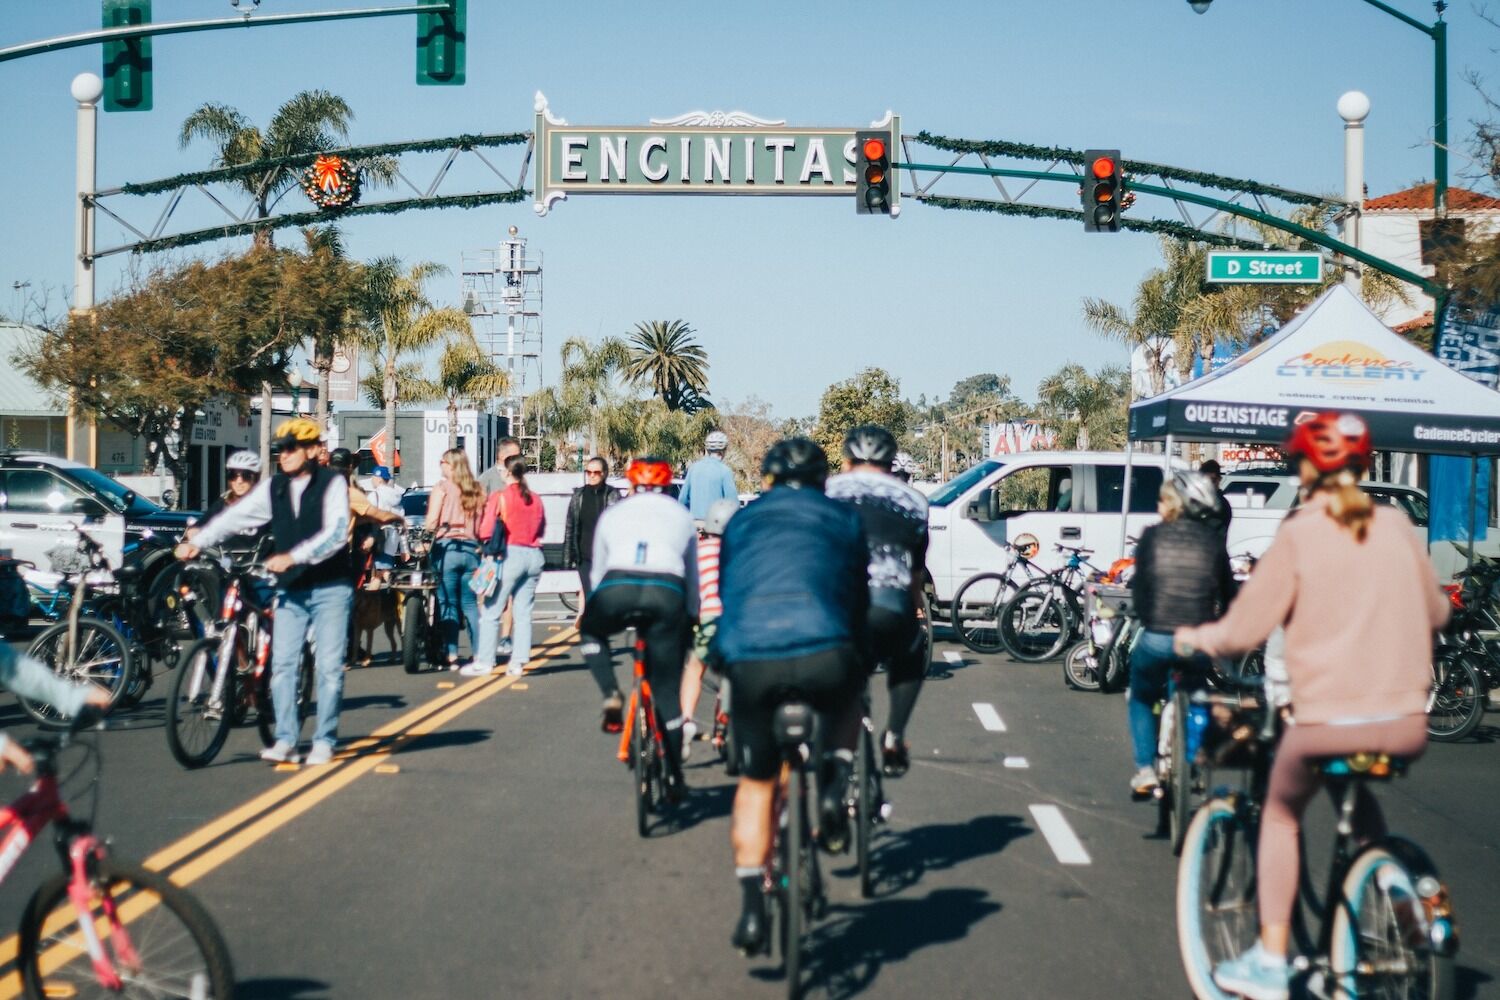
x=1390 y=228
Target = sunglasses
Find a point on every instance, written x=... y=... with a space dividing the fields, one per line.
x=241 y=474
x=593 y=472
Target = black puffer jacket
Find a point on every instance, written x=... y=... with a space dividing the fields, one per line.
x=1182 y=575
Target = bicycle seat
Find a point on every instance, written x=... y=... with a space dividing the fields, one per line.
x=792 y=725
x=1381 y=766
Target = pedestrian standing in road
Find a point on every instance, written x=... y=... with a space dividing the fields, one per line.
x=453 y=511
x=1182 y=577
x=493 y=480
x=307 y=508
x=1222 y=511
x=521 y=517
x=709 y=479
x=1360 y=601
x=384 y=496
x=589 y=501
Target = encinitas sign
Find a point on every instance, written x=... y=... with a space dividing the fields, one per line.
x=698 y=153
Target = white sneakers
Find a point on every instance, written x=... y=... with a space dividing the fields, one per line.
x=321 y=753
x=280 y=752
x=477 y=669
x=689 y=733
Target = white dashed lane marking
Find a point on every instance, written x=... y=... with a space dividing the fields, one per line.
x=1017 y=762
x=988 y=717
x=1060 y=836
x=954 y=658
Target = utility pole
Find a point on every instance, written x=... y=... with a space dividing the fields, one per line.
x=86 y=89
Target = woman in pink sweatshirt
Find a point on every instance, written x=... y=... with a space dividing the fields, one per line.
x=1359 y=599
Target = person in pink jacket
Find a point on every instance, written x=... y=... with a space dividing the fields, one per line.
x=1359 y=600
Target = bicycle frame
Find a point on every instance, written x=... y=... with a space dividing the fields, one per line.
x=640 y=694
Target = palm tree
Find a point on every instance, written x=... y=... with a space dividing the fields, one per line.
x=399 y=322
x=665 y=356
x=310 y=122
x=466 y=376
x=1091 y=406
x=333 y=282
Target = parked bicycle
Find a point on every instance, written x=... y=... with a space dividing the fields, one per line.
x=1042 y=617
x=1466 y=661
x=975 y=611
x=1386 y=924
x=103 y=927
x=416 y=581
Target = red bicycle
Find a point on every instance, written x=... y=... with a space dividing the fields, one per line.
x=74 y=941
x=642 y=748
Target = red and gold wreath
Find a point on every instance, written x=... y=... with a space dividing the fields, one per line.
x=331 y=183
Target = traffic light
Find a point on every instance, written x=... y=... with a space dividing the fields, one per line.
x=440 y=45
x=1103 y=190
x=873 y=174
x=127 y=61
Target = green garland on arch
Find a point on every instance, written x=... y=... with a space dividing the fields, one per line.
x=272 y=163
x=1164 y=227
x=1025 y=151
x=313 y=218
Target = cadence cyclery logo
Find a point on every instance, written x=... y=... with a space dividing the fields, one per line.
x=1348 y=359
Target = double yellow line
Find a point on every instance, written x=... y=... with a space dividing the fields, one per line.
x=239 y=829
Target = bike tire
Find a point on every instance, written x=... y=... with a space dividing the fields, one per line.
x=792 y=909
x=1182 y=774
x=102 y=656
x=52 y=962
x=1038 y=622
x=196 y=726
x=1081 y=666
x=1367 y=930
x=569 y=600
x=864 y=811
x=1115 y=670
x=414 y=626
x=975 y=612
x=1458 y=698
x=640 y=748
x=1216 y=915
x=928 y=636
x=265 y=710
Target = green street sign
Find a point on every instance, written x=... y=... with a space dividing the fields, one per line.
x=1231 y=267
x=697 y=153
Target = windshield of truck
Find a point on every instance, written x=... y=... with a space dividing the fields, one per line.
x=955 y=488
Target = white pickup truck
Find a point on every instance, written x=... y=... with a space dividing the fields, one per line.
x=1061 y=497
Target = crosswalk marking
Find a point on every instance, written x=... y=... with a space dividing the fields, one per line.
x=1060 y=836
x=988 y=717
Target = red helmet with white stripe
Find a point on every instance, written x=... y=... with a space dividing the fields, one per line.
x=1332 y=441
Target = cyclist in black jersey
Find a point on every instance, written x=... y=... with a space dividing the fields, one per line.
x=894 y=515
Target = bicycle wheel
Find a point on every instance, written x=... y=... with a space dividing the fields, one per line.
x=1114 y=671
x=1381 y=929
x=198 y=716
x=792 y=913
x=569 y=600
x=975 y=613
x=1182 y=773
x=1457 y=701
x=642 y=752
x=864 y=809
x=178 y=951
x=100 y=656
x=1081 y=666
x=1037 y=623
x=414 y=627
x=1216 y=915
x=928 y=638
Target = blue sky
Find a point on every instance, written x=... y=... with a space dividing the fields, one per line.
x=787 y=295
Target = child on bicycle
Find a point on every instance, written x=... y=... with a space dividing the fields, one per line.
x=1359 y=599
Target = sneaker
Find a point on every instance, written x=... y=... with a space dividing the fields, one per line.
x=614 y=714
x=689 y=734
x=321 y=753
x=1255 y=975
x=1144 y=782
x=504 y=649
x=895 y=755
x=279 y=753
x=476 y=670
x=515 y=670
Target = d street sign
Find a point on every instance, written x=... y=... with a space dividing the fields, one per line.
x=1228 y=267
x=698 y=153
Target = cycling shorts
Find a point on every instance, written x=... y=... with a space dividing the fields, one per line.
x=831 y=681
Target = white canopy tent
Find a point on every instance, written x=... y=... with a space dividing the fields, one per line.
x=1335 y=355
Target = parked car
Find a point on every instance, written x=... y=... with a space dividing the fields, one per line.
x=1260 y=499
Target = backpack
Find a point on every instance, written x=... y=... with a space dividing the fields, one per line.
x=492 y=532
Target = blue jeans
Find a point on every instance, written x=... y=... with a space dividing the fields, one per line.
x=519 y=575
x=1151 y=662
x=326 y=609
x=456 y=562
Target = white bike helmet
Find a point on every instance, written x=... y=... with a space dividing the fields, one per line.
x=246 y=461
x=716 y=441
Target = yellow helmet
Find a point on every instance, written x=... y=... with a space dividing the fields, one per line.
x=298 y=432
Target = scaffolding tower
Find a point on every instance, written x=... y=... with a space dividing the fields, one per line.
x=502 y=295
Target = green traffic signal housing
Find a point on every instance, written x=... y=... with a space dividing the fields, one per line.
x=872 y=172
x=440 y=44
x=1103 y=190
x=127 y=61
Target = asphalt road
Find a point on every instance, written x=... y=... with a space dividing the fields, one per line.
x=477 y=839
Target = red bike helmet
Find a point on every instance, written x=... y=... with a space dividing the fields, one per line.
x=649 y=472
x=1332 y=441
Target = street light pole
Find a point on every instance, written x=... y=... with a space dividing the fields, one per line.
x=86 y=89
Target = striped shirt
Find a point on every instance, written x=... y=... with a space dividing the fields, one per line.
x=708 y=577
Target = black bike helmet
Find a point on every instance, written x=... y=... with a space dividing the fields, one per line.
x=796 y=461
x=341 y=458
x=870 y=443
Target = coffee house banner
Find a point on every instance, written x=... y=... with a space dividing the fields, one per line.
x=719 y=152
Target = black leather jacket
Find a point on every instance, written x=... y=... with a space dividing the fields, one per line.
x=572 y=536
x=1182 y=575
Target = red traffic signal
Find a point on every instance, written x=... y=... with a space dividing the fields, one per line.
x=872 y=181
x=1103 y=189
